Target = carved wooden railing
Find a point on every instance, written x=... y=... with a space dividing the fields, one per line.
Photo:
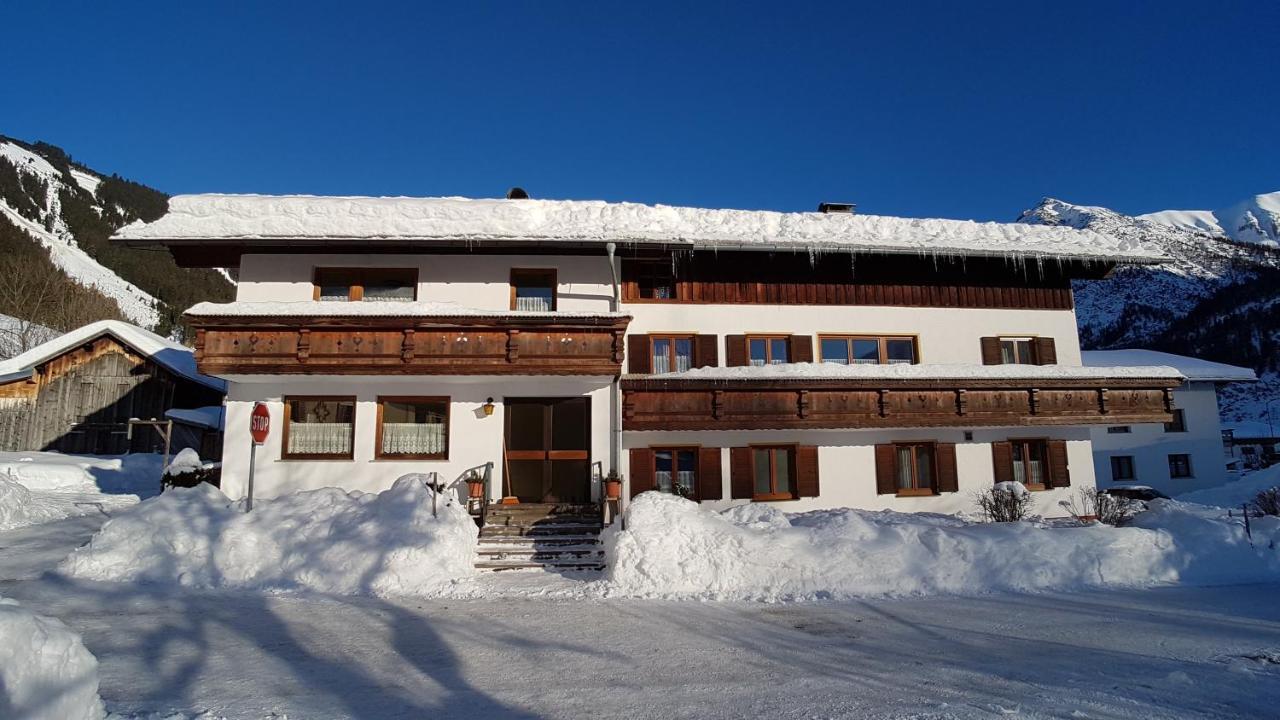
x=657 y=404
x=410 y=346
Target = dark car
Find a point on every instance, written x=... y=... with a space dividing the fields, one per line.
x=1135 y=492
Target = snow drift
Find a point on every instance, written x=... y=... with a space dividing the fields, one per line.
x=1238 y=492
x=45 y=671
x=672 y=547
x=135 y=474
x=326 y=540
x=20 y=507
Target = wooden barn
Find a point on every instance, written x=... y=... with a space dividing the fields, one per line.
x=77 y=393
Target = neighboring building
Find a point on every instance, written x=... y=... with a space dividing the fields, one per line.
x=1251 y=444
x=1175 y=457
x=807 y=359
x=76 y=393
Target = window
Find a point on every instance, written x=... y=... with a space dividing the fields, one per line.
x=1119 y=430
x=675 y=471
x=319 y=428
x=656 y=279
x=1180 y=466
x=1030 y=463
x=366 y=284
x=1179 y=423
x=671 y=353
x=1122 y=468
x=1017 y=351
x=413 y=428
x=772 y=469
x=868 y=350
x=915 y=467
x=767 y=350
x=533 y=290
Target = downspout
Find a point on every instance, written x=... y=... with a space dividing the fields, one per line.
x=615 y=420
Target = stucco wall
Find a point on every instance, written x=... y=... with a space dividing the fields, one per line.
x=1151 y=446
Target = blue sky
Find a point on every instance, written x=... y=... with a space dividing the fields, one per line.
x=913 y=108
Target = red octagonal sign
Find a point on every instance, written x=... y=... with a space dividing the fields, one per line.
x=260 y=423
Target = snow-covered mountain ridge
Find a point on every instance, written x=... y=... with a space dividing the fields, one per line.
x=1256 y=220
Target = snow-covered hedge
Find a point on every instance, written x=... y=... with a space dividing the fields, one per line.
x=45 y=671
x=673 y=547
x=325 y=540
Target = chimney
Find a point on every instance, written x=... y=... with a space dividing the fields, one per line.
x=517 y=193
x=831 y=208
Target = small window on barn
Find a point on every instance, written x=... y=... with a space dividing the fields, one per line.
x=413 y=428
x=319 y=428
x=366 y=284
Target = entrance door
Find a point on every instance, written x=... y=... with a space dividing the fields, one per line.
x=547 y=449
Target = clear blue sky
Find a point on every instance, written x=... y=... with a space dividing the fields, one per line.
x=920 y=109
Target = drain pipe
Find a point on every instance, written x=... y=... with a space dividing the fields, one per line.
x=615 y=420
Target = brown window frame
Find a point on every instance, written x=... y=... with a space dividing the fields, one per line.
x=1190 y=473
x=448 y=427
x=916 y=490
x=288 y=414
x=360 y=277
x=1033 y=356
x=697 y=486
x=1179 y=422
x=671 y=351
x=882 y=342
x=1133 y=468
x=768 y=346
x=794 y=451
x=1026 y=463
x=549 y=275
x=642 y=273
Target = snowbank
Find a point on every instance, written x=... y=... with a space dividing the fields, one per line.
x=326 y=540
x=186 y=461
x=19 y=507
x=45 y=671
x=137 y=474
x=675 y=548
x=1236 y=493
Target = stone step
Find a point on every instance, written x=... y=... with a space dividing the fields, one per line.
x=542 y=530
x=546 y=557
x=538 y=540
x=540 y=519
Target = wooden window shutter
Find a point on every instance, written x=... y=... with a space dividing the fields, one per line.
x=807 y=471
x=735 y=350
x=639 y=358
x=1046 y=351
x=886 y=469
x=991 y=351
x=641 y=470
x=948 y=470
x=741 y=483
x=800 y=348
x=710 y=486
x=1059 y=472
x=1002 y=461
x=706 y=351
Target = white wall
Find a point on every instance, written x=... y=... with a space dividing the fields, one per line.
x=1151 y=446
x=846 y=464
x=473 y=438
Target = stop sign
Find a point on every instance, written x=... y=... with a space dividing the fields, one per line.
x=260 y=423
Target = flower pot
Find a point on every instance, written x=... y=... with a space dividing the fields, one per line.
x=613 y=488
x=475 y=488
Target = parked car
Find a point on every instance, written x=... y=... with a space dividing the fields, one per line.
x=1135 y=492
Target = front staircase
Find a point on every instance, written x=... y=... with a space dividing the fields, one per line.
x=555 y=537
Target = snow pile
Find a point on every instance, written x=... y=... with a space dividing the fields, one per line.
x=326 y=540
x=593 y=221
x=675 y=548
x=1236 y=493
x=1212 y=547
x=45 y=671
x=19 y=507
x=186 y=461
x=135 y=474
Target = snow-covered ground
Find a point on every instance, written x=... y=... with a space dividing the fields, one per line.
x=1237 y=492
x=38 y=487
x=1164 y=653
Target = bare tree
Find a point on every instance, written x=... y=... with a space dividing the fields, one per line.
x=44 y=302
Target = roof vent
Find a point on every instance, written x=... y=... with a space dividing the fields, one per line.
x=830 y=208
x=517 y=193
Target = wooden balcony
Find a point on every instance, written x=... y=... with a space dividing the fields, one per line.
x=652 y=403
x=502 y=345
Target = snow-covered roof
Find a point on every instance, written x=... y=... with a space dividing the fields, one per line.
x=211 y=417
x=493 y=221
x=176 y=358
x=903 y=371
x=342 y=308
x=1195 y=369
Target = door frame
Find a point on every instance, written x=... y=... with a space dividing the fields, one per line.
x=547 y=455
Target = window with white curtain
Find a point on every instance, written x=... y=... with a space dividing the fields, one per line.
x=671 y=354
x=413 y=427
x=319 y=427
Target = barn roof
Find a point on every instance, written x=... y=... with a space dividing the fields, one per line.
x=174 y=357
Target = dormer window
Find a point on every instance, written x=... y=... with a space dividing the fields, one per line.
x=533 y=290
x=366 y=284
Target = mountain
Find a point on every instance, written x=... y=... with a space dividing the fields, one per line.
x=1218 y=297
x=57 y=268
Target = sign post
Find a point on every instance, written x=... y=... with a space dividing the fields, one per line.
x=259 y=428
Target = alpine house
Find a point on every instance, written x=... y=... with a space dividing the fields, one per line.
x=821 y=359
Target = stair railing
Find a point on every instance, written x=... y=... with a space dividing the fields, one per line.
x=485 y=472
